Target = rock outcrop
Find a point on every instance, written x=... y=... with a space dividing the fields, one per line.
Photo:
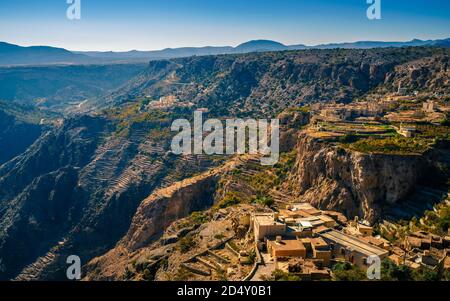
x=167 y=205
x=354 y=183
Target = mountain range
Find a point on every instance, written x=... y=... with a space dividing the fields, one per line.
x=40 y=55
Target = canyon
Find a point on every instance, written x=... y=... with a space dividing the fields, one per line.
x=104 y=184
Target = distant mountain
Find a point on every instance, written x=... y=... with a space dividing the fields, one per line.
x=40 y=55
x=380 y=44
x=260 y=46
x=57 y=87
x=255 y=46
x=16 y=55
x=159 y=54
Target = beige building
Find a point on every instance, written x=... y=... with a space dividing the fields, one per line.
x=429 y=106
x=357 y=228
x=279 y=248
x=352 y=249
x=321 y=250
x=267 y=225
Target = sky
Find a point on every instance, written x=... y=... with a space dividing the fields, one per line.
x=122 y=25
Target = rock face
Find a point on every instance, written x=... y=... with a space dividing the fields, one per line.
x=10 y=129
x=155 y=214
x=354 y=183
x=79 y=184
x=429 y=74
x=266 y=83
x=165 y=206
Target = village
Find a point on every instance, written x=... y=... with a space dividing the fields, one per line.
x=302 y=241
x=399 y=113
x=306 y=242
x=298 y=240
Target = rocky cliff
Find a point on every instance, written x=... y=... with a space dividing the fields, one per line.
x=75 y=191
x=155 y=214
x=262 y=84
x=354 y=183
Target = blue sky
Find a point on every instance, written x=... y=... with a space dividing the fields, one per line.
x=156 y=24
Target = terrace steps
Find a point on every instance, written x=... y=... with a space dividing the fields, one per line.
x=281 y=197
x=198 y=268
x=425 y=198
x=32 y=271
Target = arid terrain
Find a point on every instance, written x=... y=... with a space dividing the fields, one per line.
x=364 y=147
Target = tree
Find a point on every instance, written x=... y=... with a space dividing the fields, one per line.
x=391 y=272
x=347 y=272
x=426 y=275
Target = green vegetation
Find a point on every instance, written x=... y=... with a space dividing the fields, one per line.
x=436 y=222
x=391 y=272
x=187 y=243
x=303 y=109
x=284 y=166
x=391 y=145
x=196 y=218
x=221 y=275
x=440 y=132
x=233 y=245
x=252 y=256
x=265 y=201
x=219 y=236
x=348 y=138
x=230 y=199
x=133 y=114
x=345 y=271
x=199 y=217
x=279 y=275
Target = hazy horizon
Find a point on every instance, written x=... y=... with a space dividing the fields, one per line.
x=196 y=46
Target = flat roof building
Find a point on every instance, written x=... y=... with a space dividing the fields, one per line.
x=267 y=225
x=279 y=248
x=352 y=249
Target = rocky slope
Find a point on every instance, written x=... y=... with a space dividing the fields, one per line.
x=357 y=184
x=76 y=190
x=266 y=83
x=10 y=129
x=167 y=205
x=164 y=218
x=60 y=87
x=430 y=74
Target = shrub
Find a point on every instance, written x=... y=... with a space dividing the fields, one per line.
x=391 y=272
x=199 y=217
x=348 y=272
x=265 y=201
x=229 y=200
x=187 y=243
x=348 y=138
x=279 y=275
x=426 y=275
x=391 y=145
